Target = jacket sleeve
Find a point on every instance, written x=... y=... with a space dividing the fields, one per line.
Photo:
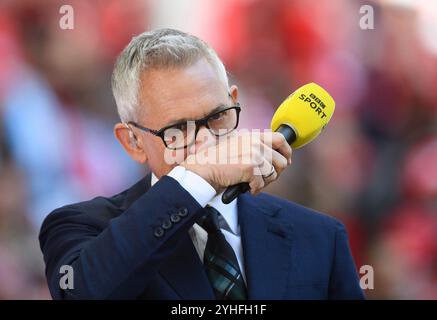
x=344 y=281
x=116 y=261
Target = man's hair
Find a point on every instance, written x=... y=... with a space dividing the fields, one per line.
x=161 y=48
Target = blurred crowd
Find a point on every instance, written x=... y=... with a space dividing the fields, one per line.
x=373 y=167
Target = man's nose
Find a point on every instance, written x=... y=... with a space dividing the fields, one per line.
x=204 y=139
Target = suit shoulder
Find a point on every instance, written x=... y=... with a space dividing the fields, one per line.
x=303 y=216
x=96 y=206
x=96 y=212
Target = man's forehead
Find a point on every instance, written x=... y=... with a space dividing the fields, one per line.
x=181 y=82
x=183 y=92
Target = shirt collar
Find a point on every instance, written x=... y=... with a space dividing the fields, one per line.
x=227 y=211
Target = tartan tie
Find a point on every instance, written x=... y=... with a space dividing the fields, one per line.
x=220 y=261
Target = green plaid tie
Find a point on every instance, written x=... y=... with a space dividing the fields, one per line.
x=220 y=261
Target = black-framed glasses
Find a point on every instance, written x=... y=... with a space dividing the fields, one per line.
x=183 y=134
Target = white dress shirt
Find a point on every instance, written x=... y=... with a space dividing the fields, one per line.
x=205 y=194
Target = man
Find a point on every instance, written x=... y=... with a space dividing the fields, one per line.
x=170 y=236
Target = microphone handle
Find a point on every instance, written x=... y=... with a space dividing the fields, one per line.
x=232 y=192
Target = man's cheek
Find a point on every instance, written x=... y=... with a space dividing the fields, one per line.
x=174 y=157
x=204 y=140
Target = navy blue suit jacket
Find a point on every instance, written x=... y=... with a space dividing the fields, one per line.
x=118 y=248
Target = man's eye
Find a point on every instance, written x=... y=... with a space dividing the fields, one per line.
x=219 y=115
x=170 y=139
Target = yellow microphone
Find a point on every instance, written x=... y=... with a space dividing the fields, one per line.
x=300 y=118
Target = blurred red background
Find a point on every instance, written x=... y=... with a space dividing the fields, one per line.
x=374 y=167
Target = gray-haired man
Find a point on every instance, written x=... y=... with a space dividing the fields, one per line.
x=170 y=236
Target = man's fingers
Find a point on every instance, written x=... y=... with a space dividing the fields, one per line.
x=274 y=157
x=271 y=176
x=277 y=142
x=256 y=184
x=279 y=161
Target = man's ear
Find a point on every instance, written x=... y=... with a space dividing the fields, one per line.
x=233 y=91
x=130 y=143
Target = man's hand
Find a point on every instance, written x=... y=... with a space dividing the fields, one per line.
x=257 y=159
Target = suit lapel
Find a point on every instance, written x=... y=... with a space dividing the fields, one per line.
x=266 y=241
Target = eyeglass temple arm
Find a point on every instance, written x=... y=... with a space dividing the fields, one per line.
x=155 y=132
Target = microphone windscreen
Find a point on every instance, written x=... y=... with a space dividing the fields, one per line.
x=307 y=111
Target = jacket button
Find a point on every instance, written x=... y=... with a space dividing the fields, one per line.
x=166 y=224
x=159 y=232
x=183 y=212
x=175 y=218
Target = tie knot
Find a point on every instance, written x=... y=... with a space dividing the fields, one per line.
x=210 y=221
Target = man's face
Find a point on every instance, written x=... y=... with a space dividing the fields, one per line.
x=171 y=96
